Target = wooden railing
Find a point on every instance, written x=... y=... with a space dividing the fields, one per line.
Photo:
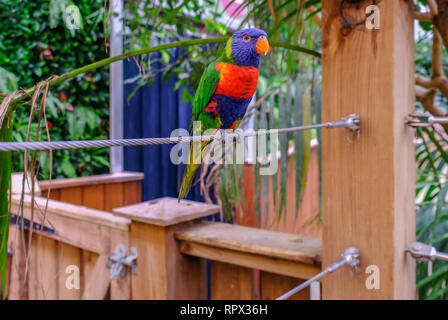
x=172 y=242
x=77 y=234
x=102 y=192
x=281 y=258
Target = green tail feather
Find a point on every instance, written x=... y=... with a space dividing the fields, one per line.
x=187 y=180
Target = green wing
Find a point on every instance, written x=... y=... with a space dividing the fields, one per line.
x=205 y=90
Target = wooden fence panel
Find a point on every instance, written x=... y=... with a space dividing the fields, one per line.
x=235 y=250
x=93 y=196
x=68 y=256
x=274 y=285
x=70 y=263
x=230 y=282
x=102 y=192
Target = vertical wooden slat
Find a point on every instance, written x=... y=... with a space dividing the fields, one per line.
x=88 y=262
x=368 y=185
x=230 y=282
x=93 y=196
x=18 y=290
x=132 y=192
x=67 y=255
x=113 y=196
x=150 y=282
x=71 y=195
x=274 y=285
x=164 y=272
x=120 y=288
x=46 y=268
x=54 y=194
x=34 y=285
x=97 y=281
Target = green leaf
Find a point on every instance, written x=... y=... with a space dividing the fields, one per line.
x=186 y=96
x=5 y=177
x=8 y=81
x=67 y=167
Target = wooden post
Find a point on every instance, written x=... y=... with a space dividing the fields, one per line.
x=163 y=271
x=368 y=185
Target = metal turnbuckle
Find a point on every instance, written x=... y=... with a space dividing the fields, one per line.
x=117 y=262
x=426 y=253
x=350 y=257
x=420 y=119
x=351 y=122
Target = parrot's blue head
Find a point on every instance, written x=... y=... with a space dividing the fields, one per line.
x=247 y=45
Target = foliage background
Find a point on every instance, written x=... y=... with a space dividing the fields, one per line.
x=34 y=45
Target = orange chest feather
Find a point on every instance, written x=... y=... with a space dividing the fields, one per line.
x=236 y=81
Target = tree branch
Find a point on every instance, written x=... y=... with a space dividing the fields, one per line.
x=423 y=16
x=20 y=96
x=437 y=50
x=441 y=20
x=316 y=18
x=427 y=99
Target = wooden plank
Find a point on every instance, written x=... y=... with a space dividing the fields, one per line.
x=18 y=289
x=274 y=285
x=132 y=193
x=113 y=196
x=93 y=197
x=230 y=282
x=79 y=226
x=120 y=288
x=250 y=260
x=91 y=180
x=74 y=212
x=368 y=185
x=17 y=186
x=32 y=277
x=88 y=263
x=166 y=211
x=186 y=274
x=256 y=241
x=54 y=194
x=97 y=281
x=68 y=256
x=151 y=281
x=163 y=272
x=46 y=257
x=71 y=195
x=247 y=216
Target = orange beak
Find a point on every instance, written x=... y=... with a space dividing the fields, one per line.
x=262 y=45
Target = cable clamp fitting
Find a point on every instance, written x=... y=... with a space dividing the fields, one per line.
x=425 y=252
x=424 y=119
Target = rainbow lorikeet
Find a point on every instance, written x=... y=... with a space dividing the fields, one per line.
x=226 y=89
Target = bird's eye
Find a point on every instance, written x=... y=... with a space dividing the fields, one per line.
x=246 y=38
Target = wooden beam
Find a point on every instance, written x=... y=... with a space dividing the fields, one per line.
x=279 y=245
x=78 y=226
x=249 y=260
x=368 y=185
x=98 y=281
x=91 y=180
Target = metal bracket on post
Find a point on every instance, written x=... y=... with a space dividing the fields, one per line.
x=426 y=253
x=349 y=257
x=419 y=119
x=117 y=262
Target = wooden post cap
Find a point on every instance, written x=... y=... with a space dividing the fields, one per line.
x=166 y=211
